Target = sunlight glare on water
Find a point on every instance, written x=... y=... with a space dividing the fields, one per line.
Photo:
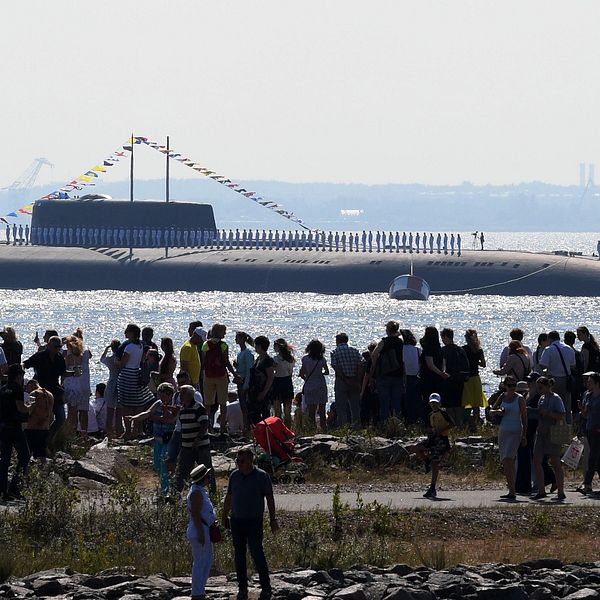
x=298 y=317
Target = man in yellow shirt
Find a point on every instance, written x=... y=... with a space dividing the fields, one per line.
x=189 y=359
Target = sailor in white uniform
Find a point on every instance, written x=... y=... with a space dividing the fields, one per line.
x=424 y=243
x=20 y=234
x=404 y=242
x=172 y=237
x=451 y=243
x=364 y=241
x=418 y=241
x=445 y=243
x=27 y=230
x=103 y=237
x=370 y=238
x=431 y=243
x=343 y=241
x=296 y=239
x=397 y=240
x=128 y=237
x=458 y=242
x=15 y=234
x=350 y=241
x=310 y=239
x=378 y=240
x=237 y=238
x=8 y=234
x=303 y=239
x=438 y=243
x=179 y=237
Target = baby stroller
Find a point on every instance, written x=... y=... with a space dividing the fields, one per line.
x=277 y=443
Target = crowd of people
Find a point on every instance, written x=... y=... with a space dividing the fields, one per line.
x=545 y=396
x=176 y=237
x=179 y=396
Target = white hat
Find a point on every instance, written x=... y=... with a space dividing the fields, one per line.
x=435 y=398
x=199 y=473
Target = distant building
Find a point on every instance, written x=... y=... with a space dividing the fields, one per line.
x=351 y=212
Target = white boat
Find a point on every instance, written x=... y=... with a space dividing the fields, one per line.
x=409 y=287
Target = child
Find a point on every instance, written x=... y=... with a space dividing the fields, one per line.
x=437 y=445
x=97 y=412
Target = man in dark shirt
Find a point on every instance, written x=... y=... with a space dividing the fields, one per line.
x=247 y=491
x=457 y=367
x=12 y=414
x=49 y=366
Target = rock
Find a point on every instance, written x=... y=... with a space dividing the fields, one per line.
x=336 y=574
x=86 y=485
x=299 y=577
x=109 y=460
x=541 y=593
x=48 y=586
x=97 y=582
x=583 y=594
x=288 y=591
x=324 y=578
x=508 y=592
x=543 y=563
x=407 y=594
x=89 y=470
x=390 y=455
x=401 y=570
x=353 y=592
x=16 y=591
x=222 y=465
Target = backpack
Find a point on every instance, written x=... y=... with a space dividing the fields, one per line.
x=389 y=361
x=214 y=360
x=460 y=362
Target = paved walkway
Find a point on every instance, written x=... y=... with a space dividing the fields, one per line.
x=445 y=499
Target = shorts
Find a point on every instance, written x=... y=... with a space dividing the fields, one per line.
x=215 y=390
x=438 y=446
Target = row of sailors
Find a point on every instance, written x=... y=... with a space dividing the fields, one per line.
x=367 y=241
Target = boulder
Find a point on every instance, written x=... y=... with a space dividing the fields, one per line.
x=86 y=485
x=222 y=465
x=583 y=594
x=110 y=461
x=87 y=469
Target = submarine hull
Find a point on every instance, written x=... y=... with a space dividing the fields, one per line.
x=272 y=270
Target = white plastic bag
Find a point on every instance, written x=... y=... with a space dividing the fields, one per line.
x=573 y=454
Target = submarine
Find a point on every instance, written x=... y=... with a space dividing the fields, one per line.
x=195 y=263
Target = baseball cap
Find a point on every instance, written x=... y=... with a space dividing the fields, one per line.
x=435 y=398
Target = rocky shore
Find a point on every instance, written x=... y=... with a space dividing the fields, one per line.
x=544 y=579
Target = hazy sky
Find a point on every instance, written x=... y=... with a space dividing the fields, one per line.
x=342 y=91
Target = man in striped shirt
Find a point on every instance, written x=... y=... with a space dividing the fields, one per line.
x=195 y=443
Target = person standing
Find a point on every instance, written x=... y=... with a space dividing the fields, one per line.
x=132 y=394
x=13 y=413
x=201 y=515
x=512 y=433
x=215 y=364
x=591 y=412
x=243 y=365
x=77 y=390
x=432 y=371
x=40 y=417
x=168 y=362
x=114 y=418
x=247 y=491
x=262 y=375
x=12 y=347
x=412 y=407
x=482 y=239
x=551 y=410
x=542 y=342
x=346 y=362
x=195 y=442
x=457 y=369
x=473 y=398
x=387 y=369
x=458 y=243
x=558 y=362
x=283 y=387
x=313 y=370
x=515 y=334
x=189 y=359
x=49 y=365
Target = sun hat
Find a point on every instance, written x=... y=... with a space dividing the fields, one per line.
x=199 y=473
x=435 y=398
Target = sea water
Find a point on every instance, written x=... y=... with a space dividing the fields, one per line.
x=297 y=317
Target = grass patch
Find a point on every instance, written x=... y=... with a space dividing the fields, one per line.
x=52 y=528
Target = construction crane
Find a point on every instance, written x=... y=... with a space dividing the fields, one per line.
x=19 y=189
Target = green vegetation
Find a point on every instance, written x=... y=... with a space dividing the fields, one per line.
x=53 y=527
